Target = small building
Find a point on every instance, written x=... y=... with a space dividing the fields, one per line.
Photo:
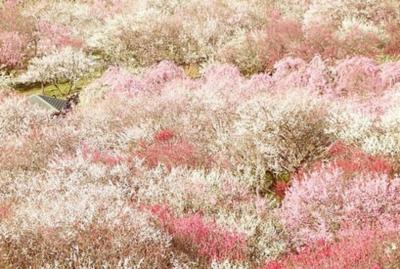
x=50 y=103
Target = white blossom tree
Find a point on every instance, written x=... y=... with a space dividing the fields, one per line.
x=66 y=65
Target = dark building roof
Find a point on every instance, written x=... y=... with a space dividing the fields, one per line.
x=48 y=102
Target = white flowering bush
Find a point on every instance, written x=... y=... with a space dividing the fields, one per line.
x=278 y=134
x=66 y=65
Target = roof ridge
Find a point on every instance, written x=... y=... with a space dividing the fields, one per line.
x=55 y=103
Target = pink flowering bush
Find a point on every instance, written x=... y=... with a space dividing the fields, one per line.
x=358 y=75
x=53 y=37
x=390 y=74
x=295 y=72
x=162 y=73
x=17 y=35
x=118 y=80
x=327 y=201
x=12 y=49
x=354 y=77
x=222 y=77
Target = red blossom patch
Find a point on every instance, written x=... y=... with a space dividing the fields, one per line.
x=169 y=150
x=164 y=135
x=203 y=238
x=97 y=156
x=280 y=188
x=352 y=160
